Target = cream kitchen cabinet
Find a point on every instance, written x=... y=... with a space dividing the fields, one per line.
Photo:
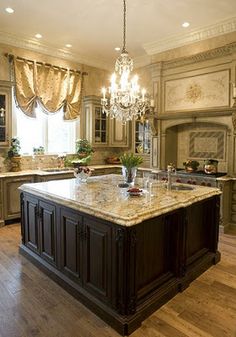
x=100 y=129
x=5 y=113
x=11 y=195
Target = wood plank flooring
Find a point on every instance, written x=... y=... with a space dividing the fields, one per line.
x=33 y=305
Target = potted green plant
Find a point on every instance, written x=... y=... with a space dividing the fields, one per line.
x=83 y=154
x=191 y=165
x=130 y=162
x=13 y=155
x=83 y=148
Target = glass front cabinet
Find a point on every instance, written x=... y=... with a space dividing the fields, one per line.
x=142 y=137
x=100 y=129
x=5 y=113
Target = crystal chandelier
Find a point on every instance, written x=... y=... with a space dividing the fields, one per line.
x=125 y=100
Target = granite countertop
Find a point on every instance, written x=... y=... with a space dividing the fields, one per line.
x=102 y=197
x=49 y=171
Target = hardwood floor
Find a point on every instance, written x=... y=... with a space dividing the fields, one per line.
x=33 y=305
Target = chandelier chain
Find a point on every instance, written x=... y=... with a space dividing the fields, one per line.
x=124 y=29
x=125 y=100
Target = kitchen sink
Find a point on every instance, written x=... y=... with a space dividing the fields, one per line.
x=182 y=188
x=60 y=169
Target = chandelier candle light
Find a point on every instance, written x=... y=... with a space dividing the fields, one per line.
x=125 y=99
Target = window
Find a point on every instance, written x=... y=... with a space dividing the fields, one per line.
x=47 y=130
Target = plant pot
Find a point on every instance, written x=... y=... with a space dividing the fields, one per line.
x=129 y=174
x=82 y=155
x=15 y=164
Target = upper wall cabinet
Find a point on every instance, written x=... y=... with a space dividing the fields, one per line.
x=142 y=136
x=5 y=113
x=101 y=130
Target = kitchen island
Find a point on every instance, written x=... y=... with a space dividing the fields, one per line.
x=122 y=256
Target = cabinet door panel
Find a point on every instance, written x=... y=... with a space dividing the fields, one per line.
x=12 y=196
x=97 y=258
x=5 y=115
x=31 y=223
x=71 y=250
x=198 y=231
x=119 y=133
x=48 y=231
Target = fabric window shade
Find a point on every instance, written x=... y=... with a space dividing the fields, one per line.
x=52 y=87
x=25 y=86
x=74 y=96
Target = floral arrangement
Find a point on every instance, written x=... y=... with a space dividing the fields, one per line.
x=84 y=169
x=191 y=163
x=82 y=173
x=130 y=160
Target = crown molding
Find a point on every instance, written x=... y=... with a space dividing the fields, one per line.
x=228 y=49
x=36 y=46
x=179 y=40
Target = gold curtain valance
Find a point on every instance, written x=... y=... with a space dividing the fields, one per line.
x=50 y=86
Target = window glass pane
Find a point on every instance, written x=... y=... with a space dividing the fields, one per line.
x=47 y=130
x=30 y=131
x=61 y=134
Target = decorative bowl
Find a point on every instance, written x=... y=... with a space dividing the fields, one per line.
x=82 y=173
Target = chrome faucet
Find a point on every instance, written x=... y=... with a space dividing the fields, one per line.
x=170 y=169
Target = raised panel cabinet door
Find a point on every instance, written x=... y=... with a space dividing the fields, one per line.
x=200 y=222
x=48 y=236
x=70 y=244
x=12 y=196
x=97 y=251
x=31 y=233
x=119 y=133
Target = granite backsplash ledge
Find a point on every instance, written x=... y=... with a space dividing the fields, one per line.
x=38 y=162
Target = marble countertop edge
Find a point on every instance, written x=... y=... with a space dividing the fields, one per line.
x=188 y=199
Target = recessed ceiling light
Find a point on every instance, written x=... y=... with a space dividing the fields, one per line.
x=185 y=24
x=9 y=10
x=68 y=45
x=38 y=36
x=117 y=48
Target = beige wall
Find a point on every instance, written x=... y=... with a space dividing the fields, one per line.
x=93 y=82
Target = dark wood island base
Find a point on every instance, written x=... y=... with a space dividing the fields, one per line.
x=121 y=273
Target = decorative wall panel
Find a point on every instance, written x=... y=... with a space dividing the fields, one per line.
x=208 y=144
x=197 y=92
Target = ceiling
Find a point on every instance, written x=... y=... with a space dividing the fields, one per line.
x=94 y=27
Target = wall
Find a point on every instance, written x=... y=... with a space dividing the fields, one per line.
x=195 y=95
